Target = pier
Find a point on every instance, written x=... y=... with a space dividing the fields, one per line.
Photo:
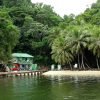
x=22 y=73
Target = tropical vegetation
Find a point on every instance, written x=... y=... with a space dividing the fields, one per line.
x=38 y=30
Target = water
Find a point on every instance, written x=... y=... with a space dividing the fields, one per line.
x=50 y=88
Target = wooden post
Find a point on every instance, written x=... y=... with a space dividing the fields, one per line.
x=24 y=74
x=35 y=73
x=38 y=73
x=31 y=74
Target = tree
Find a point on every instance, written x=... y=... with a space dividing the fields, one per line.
x=17 y=3
x=67 y=20
x=60 y=52
x=53 y=33
x=44 y=14
x=34 y=24
x=33 y=40
x=8 y=36
x=78 y=39
x=91 y=15
x=94 y=45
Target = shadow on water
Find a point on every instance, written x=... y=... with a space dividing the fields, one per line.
x=50 y=88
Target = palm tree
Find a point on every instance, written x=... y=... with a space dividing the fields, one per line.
x=78 y=39
x=60 y=53
x=54 y=32
x=94 y=45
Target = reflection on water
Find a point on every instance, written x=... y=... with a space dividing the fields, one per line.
x=50 y=88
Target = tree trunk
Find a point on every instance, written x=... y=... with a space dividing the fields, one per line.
x=79 y=61
x=82 y=64
x=97 y=62
x=88 y=66
x=70 y=66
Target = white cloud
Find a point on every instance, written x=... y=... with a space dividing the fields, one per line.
x=67 y=6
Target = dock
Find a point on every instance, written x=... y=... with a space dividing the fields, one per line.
x=22 y=73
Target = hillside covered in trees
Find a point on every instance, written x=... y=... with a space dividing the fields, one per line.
x=38 y=30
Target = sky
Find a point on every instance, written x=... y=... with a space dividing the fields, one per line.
x=67 y=7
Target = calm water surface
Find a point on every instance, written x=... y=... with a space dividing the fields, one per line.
x=50 y=88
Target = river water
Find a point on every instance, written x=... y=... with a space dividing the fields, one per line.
x=50 y=88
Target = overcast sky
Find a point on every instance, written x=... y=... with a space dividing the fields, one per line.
x=67 y=6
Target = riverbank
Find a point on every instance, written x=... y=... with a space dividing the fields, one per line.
x=73 y=73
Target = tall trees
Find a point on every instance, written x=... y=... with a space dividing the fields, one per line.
x=45 y=34
x=60 y=52
x=70 y=43
x=17 y=3
x=45 y=15
x=34 y=22
x=78 y=39
x=92 y=15
x=94 y=45
x=33 y=39
x=8 y=36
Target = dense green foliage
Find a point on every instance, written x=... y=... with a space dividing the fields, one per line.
x=47 y=36
x=34 y=22
x=8 y=35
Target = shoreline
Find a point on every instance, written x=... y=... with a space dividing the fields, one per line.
x=72 y=73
